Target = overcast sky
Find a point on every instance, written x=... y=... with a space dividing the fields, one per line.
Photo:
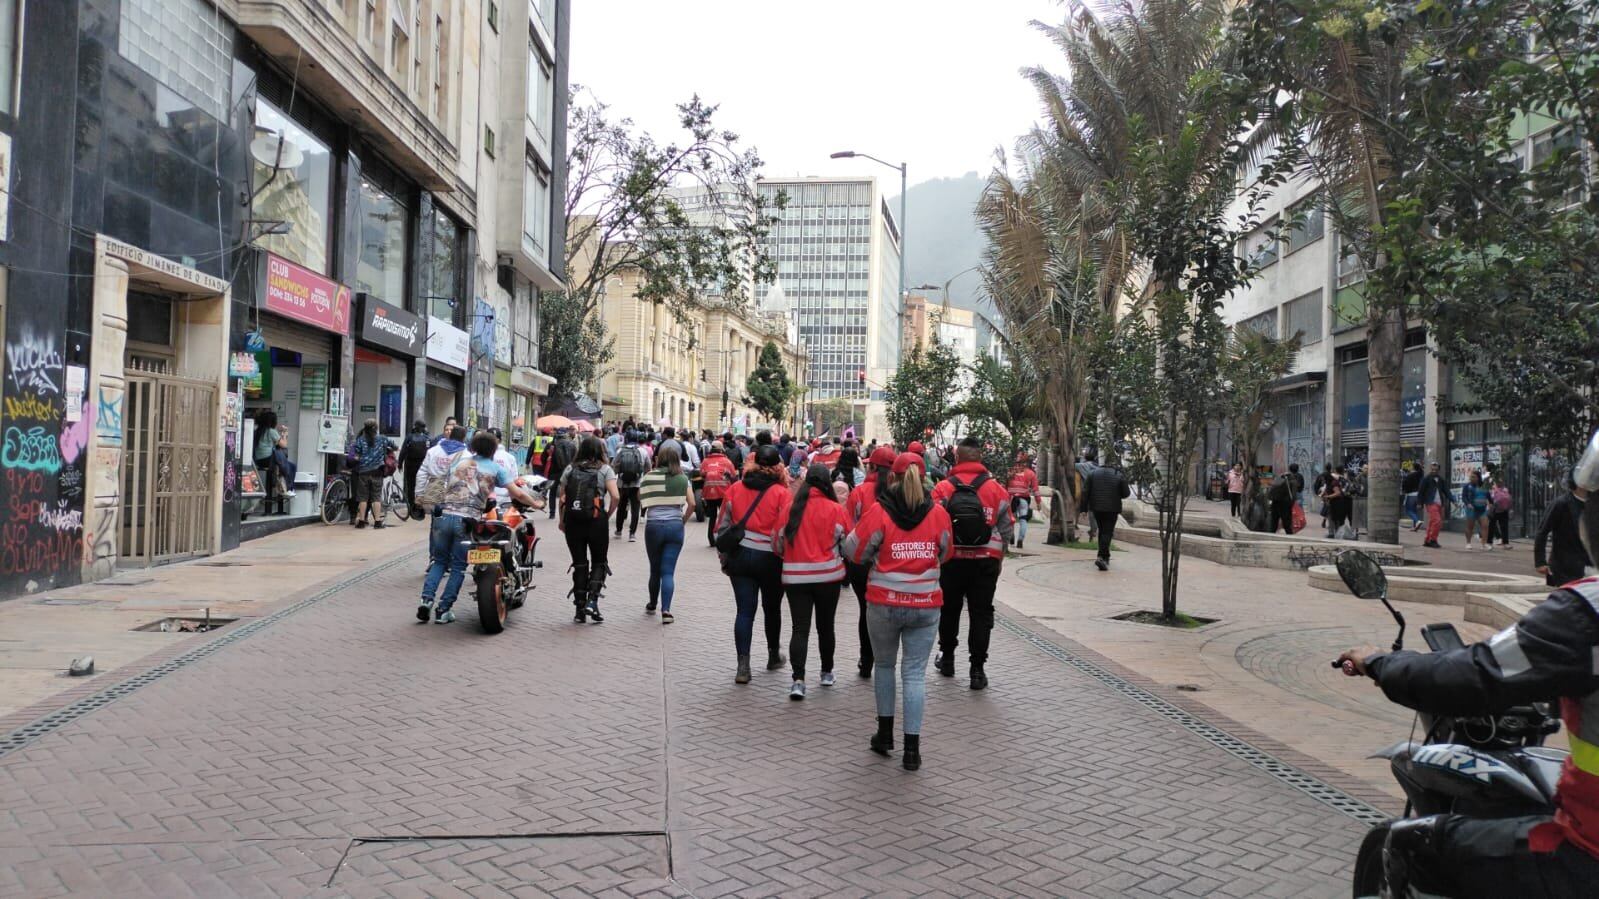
x=934 y=82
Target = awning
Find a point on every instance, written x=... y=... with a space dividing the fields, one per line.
x=1296 y=381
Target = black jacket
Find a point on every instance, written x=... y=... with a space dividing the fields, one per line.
x=1412 y=481
x=1548 y=654
x=1566 y=557
x=1106 y=487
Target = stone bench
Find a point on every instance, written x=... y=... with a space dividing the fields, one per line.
x=1438 y=586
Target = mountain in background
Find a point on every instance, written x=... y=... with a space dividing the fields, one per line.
x=942 y=239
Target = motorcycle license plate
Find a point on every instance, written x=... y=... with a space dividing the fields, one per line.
x=489 y=556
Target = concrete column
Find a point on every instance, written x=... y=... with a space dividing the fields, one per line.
x=106 y=387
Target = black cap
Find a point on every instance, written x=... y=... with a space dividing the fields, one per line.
x=971 y=443
x=766 y=455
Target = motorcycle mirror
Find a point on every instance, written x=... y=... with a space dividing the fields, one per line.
x=1362 y=575
x=1365 y=578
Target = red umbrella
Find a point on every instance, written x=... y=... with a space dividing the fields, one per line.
x=584 y=425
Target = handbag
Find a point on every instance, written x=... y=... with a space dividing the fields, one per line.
x=433 y=494
x=728 y=541
x=390 y=463
x=1298 y=520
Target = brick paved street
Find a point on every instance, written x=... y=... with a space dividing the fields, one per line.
x=343 y=749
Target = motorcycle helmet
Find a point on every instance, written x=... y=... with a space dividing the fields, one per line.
x=1585 y=474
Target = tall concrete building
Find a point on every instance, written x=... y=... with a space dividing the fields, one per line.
x=837 y=251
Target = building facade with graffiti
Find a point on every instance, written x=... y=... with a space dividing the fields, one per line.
x=215 y=223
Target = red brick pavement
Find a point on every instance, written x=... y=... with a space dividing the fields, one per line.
x=621 y=759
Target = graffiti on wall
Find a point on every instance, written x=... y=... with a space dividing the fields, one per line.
x=41 y=449
x=108 y=416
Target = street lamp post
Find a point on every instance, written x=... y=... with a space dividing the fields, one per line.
x=851 y=154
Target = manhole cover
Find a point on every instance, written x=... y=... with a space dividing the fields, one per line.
x=189 y=624
x=125 y=582
x=550 y=863
x=223 y=564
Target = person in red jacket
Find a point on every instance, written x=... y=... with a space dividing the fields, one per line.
x=979 y=510
x=719 y=475
x=812 y=571
x=879 y=474
x=828 y=455
x=759 y=503
x=902 y=541
x=1023 y=489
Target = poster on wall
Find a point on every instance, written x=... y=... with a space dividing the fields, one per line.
x=330 y=433
x=258 y=386
x=336 y=403
x=232 y=412
x=313 y=386
x=243 y=365
x=391 y=404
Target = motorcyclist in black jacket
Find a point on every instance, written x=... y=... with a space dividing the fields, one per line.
x=1552 y=652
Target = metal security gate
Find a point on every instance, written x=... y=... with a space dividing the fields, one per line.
x=168 y=467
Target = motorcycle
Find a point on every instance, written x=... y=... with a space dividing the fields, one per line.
x=501 y=549
x=1483 y=766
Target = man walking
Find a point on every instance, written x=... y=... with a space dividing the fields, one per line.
x=1434 y=495
x=719 y=475
x=1558 y=551
x=1085 y=467
x=630 y=467
x=558 y=457
x=1106 y=488
x=979 y=511
x=449 y=426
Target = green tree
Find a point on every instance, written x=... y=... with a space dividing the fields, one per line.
x=1002 y=410
x=919 y=393
x=623 y=211
x=768 y=388
x=1252 y=362
x=574 y=346
x=831 y=416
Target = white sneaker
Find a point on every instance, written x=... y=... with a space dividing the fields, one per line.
x=288 y=493
x=797 y=692
x=827 y=678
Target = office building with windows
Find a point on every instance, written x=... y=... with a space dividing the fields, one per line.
x=837 y=249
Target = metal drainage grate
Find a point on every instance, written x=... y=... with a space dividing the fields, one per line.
x=1315 y=788
x=27 y=733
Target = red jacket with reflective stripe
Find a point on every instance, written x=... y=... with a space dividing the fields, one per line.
x=904 y=565
x=862 y=498
x=996 y=508
x=719 y=474
x=1023 y=482
x=769 y=517
x=813 y=556
x=828 y=457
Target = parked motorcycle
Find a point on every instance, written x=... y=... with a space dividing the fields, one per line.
x=501 y=549
x=1485 y=766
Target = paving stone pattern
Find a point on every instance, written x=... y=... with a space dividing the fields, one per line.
x=347 y=750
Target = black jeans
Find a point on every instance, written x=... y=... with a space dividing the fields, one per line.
x=713 y=507
x=802 y=600
x=969 y=583
x=1235 y=500
x=628 y=503
x=1283 y=515
x=410 y=488
x=1499 y=526
x=1106 y=522
x=1490 y=857
x=586 y=540
x=856 y=577
x=757 y=577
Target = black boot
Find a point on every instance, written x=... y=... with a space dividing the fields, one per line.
x=883 y=740
x=596 y=586
x=912 y=759
x=580 y=592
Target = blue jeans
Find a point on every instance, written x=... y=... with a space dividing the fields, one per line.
x=1022 y=508
x=1412 y=509
x=757 y=583
x=663 y=540
x=446 y=546
x=916 y=629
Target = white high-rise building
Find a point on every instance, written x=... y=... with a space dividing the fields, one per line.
x=836 y=246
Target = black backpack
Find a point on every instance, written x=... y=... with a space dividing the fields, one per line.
x=629 y=465
x=968 y=514
x=584 y=492
x=561 y=455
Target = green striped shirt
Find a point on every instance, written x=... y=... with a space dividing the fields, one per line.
x=659 y=489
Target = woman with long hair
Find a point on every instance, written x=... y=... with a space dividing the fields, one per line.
x=668 y=501
x=861 y=499
x=848 y=475
x=755 y=513
x=903 y=541
x=812 y=571
x=587 y=495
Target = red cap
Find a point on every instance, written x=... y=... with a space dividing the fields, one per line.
x=906 y=460
x=882 y=457
x=916 y=447
x=815 y=443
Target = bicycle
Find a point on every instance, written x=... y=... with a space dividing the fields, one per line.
x=393 y=496
x=336 y=494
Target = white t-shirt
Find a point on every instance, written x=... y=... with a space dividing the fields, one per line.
x=506 y=461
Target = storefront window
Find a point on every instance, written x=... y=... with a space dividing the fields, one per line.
x=445 y=275
x=1355 y=387
x=297 y=196
x=380 y=268
x=1414 y=402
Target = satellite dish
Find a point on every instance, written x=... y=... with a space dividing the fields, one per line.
x=274 y=150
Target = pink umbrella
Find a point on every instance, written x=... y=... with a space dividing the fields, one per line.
x=584 y=425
